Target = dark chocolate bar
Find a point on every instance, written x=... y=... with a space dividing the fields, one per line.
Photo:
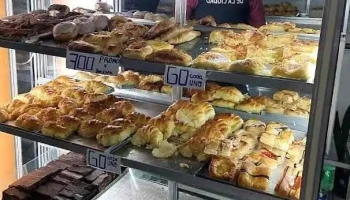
x=15 y=194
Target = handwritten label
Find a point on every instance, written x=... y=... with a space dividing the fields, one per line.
x=95 y=63
x=103 y=161
x=185 y=77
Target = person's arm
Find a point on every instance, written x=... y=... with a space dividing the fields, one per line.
x=256 y=14
x=191 y=4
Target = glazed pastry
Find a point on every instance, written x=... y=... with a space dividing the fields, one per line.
x=255 y=177
x=69 y=122
x=172 y=56
x=49 y=114
x=147 y=135
x=165 y=125
x=228 y=93
x=95 y=97
x=250 y=106
x=184 y=37
x=281 y=142
x=84 y=25
x=175 y=31
x=65 y=31
x=108 y=115
x=124 y=106
x=81 y=114
x=100 y=22
x=93 y=108
x=286 y=96
x=83 y=46
x=254 y=126
x=247 y=66
x=218 y=36
x=212 y=60
x=159 y=29
x=4 y=116
x=138 y=51
x=223 y=168
x=134 y=30
x=90 y=128
x=165 y=150
x=275 y=128
x=94 y=86
x=158 y=45
x=29 y=122
x=111 y=135
x=138 y=119
x=66 y=105
x=53 y=129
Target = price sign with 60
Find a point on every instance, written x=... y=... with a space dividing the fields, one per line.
x=92 y=63
x=185 y=77
x=105 y=162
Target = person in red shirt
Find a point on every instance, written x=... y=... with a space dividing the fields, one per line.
x=228 y=11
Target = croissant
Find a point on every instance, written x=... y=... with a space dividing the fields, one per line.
x=49 y=114
x=111 y=135
x=138 y=119
x=29 y=122
x=70 y=122
x=148 y=135
x=4 y=116
x=124 y=106
x=81 y=114
x=164 y=125
x=66 y=105
x=108 y=115
x=90 y=128
x=53 y=129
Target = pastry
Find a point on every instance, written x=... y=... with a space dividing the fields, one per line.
x=297 y=113
x=273 y=153
x=147 y=135
x=94 y=86
x=247 y=66
x=166 y=89
x=254 y=126
x=204 y=96
x=273 y=41
x=184 y=37
x=295 y=153
x=111 y=135
x=223 y=103
x=93 y=108
x=100 y=22
x=156 y=17
x=85 y=25
x=76 y=93
x=13 y=105
x=82 y=46
x=243 y=26
x=66 y=105
x=173 y=108
x=263 y=158
x=218 y=36
x=234 y=121
x=70 y=122
x=49 y=114
x=113 y=50
x=304 y=103
x=25 y=98
x=116 y=22
x=281 y=142
x=172 y=56
x=138 y=51
x=300 y=71
x=286 y=96
x=255 y=177
x=65 y=31
x=289 y=185
x=207 y=21
x=4 y=116
x=159 y=29
x=29 y=122
x=223 y=168
x=151 y=86
x=81 y=114
x=108 y=115
x=175 y=31
x=134 y=30
x=132 y=78
x=110 y=100
x=165 y=125
x=250 y=106
x=184 y=131
x=158 y=45
x=228 y=93
x=138 y=119
x=124 y=106
x=275 y=128
x=90 y=128
x=195 y=114
x=95 y=97
x=165 y=150
x=53 y=129
x=267 y=101
x=212 y=60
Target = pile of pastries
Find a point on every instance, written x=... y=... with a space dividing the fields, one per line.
x=283 y=102
x=156 y=17
x=64 y=106
x=276 y=27
x=241 y=151
x=282 y=9
x=258 y=53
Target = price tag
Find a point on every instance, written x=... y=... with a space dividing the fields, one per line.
x=95 y=63
x=103 y=161
x=185 y=77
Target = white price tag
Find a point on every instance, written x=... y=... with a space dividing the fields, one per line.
x=105 y=162
x=185 y=77
x=95 y=63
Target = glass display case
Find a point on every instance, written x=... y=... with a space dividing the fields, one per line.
x=189 y=107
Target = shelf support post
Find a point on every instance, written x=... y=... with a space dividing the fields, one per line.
x=173 y=192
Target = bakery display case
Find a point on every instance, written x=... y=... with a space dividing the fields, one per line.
x=206 y=109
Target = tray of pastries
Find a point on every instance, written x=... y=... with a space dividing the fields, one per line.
x=282 y=9
x=74 y=111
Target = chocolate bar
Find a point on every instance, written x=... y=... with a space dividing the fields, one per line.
x=48 y=190
x=61 y=179
x=102 y=181
x=71 y=175
x=94 y=175
x=15 y=194
x=59 y=164
x=83 y=170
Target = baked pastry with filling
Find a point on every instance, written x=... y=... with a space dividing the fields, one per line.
x=132 y=78
x=134 y=30
x=90 y=128
x=171 y=56
x=228 y=93
x=159 y=29
x=183 y=130
x=247 y=66
x=254 y=126
x=81 y=114
x=273 y=41
x=300 y=71
x=82 y=46
x=148 y=135
x=223 y=168
x=53 y=129
x=94 y=86
x=93 y=108
x=166 y=89
x=202 y=96
x=275 y=128
x=111 y=135
x=113 y=49
x=184 y=37
x=275 y=108
x=158 y=45
x=250 y=106
x=212 y=60
x=286 y=96
x=95 y=97
x=295 y=153
x=256 y=177
x=281 y=142
x=174 y=31
x=126 y=107
x=218 y=36
x=29 y=122
x=223 y=103
x=138 y=50
x=207 y=21
x=234 y=121
x=116 y=21
x=66 y=105
x=70 y=122
x=138 y=119
x=109 y=114
x=263 y=157
x=297 y=113
x=195 y=114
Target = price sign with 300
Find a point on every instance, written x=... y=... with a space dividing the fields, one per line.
x=185 y=77
x=92 y=63
x=105 y=162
